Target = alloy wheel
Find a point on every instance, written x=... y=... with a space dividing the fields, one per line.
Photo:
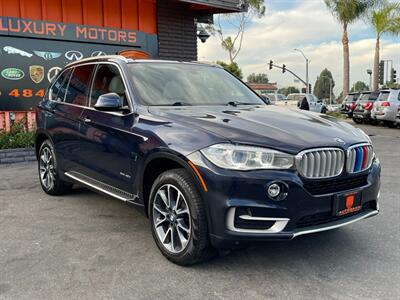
x=46 y=168
x=171 y=218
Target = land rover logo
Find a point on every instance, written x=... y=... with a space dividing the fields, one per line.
x=339 y=141
x=12 y=74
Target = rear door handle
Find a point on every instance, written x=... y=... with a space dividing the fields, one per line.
x=87 y=120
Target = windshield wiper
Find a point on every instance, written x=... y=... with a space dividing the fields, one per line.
x=180 y=103
x=236 y=103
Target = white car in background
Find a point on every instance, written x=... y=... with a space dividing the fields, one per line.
x=386 y=107
x=294 y=100
x=276 y=98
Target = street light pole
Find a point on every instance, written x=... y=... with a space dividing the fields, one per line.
x=307 y=62
x=369 y=72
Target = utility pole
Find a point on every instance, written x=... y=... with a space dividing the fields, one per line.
x=307 y=62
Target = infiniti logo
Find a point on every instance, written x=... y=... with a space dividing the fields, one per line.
x=73 y=55
x=339 y=141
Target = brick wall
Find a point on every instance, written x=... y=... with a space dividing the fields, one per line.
x=11 y=156
x=177 y=38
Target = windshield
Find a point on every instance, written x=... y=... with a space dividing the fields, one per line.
x=189 y=84
x=364 y=97
x=351 y=98
x=383 y=96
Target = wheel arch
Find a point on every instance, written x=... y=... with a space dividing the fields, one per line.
x=158 y=163
x=40 y=137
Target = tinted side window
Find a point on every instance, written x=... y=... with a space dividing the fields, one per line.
x=58 y=89
x=79 y=85
x=107 y=80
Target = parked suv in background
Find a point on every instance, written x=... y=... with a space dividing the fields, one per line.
x=349 y=104
x=201 y=154
x=386 y=107
x=364 y=105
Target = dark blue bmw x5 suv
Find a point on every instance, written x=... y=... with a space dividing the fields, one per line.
x=211 y=165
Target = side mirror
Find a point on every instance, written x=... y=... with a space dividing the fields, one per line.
x=265 y=99
x=108 y=102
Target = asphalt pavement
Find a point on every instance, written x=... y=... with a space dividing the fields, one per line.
x=88 y=246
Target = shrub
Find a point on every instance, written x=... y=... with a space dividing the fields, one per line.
x=17 y=137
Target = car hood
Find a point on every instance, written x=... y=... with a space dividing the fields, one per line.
x=290 y=130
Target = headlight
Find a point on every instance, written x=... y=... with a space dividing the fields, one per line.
x=237 y=157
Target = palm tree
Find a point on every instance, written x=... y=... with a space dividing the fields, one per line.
x=384 y=20
x=347 y=12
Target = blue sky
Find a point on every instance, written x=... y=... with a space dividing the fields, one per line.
x=308 y=25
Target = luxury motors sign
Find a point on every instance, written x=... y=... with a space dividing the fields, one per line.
x=72 y=32
x=33 y=52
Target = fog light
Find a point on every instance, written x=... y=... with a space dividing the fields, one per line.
x=277 y=190
x=274 y=190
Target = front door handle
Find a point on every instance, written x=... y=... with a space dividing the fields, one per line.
x=87 y=120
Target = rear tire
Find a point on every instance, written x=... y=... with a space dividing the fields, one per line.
x=178 y=219
x=390 y=124
x=49 y=173
x=357 y=121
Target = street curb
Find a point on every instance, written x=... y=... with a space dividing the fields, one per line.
x=12 y=156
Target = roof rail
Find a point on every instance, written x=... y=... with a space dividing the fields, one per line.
x=100 y=58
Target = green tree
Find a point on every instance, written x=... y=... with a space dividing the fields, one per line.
x=257 y=78
x=385 y=20
x=391 y=85
x=322 y=87
x=360 y=86
x=238 y=23
x=288 y=90
x=346 y=13
x=232 y=68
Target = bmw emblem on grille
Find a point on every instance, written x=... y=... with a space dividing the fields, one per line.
x=339 y=141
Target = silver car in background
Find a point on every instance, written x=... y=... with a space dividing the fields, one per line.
x=386 y=107
x=314 y=103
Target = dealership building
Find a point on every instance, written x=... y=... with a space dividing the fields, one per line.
x=39 y=37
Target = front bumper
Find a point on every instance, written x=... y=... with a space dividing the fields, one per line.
x=305 y=210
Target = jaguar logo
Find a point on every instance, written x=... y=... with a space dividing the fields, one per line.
x=339 y=141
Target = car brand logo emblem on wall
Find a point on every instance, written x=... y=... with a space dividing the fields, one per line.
x=339 y=141
x=97 y=53
x=73 y=55
x=47 y=55
x=36 y=73
x=52 y=73
x=12 y=74
x=12 y=50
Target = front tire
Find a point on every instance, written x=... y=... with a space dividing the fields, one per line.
x=357 y=121
x=48 y=171
x=178 y=218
